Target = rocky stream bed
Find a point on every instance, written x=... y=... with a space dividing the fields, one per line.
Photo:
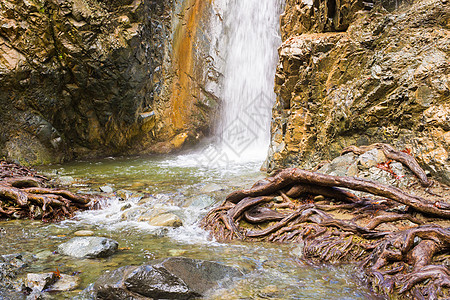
x=397 y=239
x=132 y=194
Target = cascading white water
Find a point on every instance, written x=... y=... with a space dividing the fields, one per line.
x=244 y=36
x=251 y=33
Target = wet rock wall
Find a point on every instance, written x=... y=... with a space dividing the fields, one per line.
x=91 y=78
x=365 y=73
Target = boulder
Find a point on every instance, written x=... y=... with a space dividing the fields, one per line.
x=88 y=247
x=155 y=281
x=365 y=166
x=199 y=275
x=111 y=285
x=170 y=278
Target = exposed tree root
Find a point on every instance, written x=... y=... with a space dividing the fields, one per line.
x=23 y=194
x=404 y=157
x=414 y=250
x=387 y=236
x=292 y=176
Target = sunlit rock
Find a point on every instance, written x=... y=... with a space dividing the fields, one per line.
x=106 y=189
x=83 y=233
x=65 y=283
x=88 y=247
x=166 y=220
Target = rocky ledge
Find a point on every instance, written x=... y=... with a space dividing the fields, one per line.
x=351 y=73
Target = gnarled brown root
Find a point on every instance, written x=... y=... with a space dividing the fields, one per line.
x=399 y=261
x=414 y=248
x=23 y=194
x=294 y=175
x=393 y=154
x=262 y=214
x=300 y=189
x=391 y=217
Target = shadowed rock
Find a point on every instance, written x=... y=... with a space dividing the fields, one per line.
x=171 y=278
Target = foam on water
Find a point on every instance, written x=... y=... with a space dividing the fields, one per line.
x=110 y=218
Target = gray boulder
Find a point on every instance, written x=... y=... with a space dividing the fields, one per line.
x=157 y=282
x=170 y=278
x=88 y=247
x=199 y=275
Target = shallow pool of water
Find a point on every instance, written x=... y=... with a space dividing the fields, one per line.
x=189 y=189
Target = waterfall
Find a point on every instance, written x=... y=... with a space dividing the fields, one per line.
x=249 y=49
x=243 y=36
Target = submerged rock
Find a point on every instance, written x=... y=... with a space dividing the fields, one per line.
x=153 y=214
x=133 y=213
x=171 y=278
x=123 y=194
x=88 y=247
x=166 y=220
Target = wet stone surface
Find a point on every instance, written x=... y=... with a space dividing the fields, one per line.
x=88 y=247
x=171 y=278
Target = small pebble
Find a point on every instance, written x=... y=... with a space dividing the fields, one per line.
x=83 y=233
x=278 y=199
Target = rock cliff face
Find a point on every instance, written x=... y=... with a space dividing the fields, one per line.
x=353 y=74
x=86 y=78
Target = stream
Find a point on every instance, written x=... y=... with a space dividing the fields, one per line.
x=183 y=186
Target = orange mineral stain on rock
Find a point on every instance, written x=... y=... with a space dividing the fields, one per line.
x=183 y=62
